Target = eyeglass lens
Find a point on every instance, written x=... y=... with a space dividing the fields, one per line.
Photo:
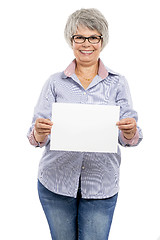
x=81 y=39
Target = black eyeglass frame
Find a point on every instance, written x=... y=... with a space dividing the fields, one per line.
x=84 y=38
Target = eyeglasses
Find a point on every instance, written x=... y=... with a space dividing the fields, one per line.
x=92 y=39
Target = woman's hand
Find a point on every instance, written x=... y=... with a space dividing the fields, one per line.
x=128 y=127
x=42 y=129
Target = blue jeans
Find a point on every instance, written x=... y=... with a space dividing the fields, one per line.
x=77 y=218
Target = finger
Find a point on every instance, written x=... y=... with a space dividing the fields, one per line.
x=43 y=131
x=42 y=134
x=126 y=121
x=43 y=126
x=126 y=127
x=44 y=121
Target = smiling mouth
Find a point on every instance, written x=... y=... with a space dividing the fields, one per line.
x=86 y=52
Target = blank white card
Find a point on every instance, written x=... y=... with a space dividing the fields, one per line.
x=84 y=127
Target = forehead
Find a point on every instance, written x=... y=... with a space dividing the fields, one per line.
x=82 y=30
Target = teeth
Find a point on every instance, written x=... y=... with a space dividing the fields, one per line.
x=86 y=51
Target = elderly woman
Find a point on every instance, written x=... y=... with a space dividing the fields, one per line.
x=78 y=190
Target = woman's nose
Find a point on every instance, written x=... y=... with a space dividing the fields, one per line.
x=86 y=43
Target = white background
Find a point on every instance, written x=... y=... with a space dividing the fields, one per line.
x=32 y=48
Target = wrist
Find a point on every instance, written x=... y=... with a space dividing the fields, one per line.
x=38 y=138
x=128 y=136
x=132 y=141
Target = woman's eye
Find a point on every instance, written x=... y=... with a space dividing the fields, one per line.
x=79 y=37
x=93 y=38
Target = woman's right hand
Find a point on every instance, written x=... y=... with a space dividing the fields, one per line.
x=42 y=129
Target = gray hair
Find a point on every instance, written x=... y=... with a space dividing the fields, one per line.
x=90 y=18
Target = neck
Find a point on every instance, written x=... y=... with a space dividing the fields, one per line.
x=86 y=70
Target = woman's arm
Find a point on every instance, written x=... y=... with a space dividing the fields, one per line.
x=128 y=116
x=40 y=129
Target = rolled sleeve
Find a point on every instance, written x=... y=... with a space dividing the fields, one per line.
x=33 y=141
x=129 y=142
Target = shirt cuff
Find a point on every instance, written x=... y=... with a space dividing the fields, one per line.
x=132 y=141
x=33 y=141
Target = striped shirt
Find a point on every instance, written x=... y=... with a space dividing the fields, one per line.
x=60 y=171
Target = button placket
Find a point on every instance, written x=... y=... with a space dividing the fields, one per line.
x=84 y=97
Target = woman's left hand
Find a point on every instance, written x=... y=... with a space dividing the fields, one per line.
x=128 y=127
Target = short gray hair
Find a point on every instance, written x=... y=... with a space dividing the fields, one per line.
x=90 y=18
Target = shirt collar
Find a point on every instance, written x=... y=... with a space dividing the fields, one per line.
x=103 y=72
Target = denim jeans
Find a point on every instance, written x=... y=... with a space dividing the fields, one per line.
x=77 y=218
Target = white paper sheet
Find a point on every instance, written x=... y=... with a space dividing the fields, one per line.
x=84 y=127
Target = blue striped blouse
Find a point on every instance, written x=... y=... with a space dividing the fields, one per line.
x=59 y=171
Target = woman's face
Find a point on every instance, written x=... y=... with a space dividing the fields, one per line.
x=87 y=53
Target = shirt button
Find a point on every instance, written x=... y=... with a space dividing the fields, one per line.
x=83 y=167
